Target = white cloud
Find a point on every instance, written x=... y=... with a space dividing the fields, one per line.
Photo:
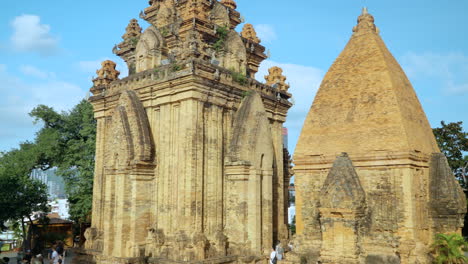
x=266 y=32
x=450 y=71
x=29 y=70
x=19 y=97
x=32 y=36
x=304 y=81
x=458 y=89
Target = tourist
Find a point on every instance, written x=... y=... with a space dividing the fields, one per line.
x=273 y=256
x=38 y=259
x=54 y=257
x=27 y=258
x=279 y=251
x=60 y=248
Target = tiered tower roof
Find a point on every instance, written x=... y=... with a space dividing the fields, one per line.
x=365 y=103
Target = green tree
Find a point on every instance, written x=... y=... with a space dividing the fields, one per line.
x=68 y=142
x=453 y=142
x=292 y=226
x=20 y=195
x=448 y=249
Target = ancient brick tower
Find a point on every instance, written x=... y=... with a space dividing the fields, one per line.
x=189 y=161
x=384 y=200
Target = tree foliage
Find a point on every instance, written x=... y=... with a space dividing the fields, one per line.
x=448 y=249
x=68 y=141
x=453 y=142
x=292 y=226
x=20 y=195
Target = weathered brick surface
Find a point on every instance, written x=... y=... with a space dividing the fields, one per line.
x=367 y=107
x=189 y=159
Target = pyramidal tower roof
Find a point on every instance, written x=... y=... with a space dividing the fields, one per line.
x=365 y=103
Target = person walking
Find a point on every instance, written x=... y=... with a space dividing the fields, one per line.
x=38 y=259
x=279 y=251
x=273 y=258
x=54 y=257
x=60 y=248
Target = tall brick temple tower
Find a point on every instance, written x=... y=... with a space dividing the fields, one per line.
x=371 y=183
x=189 y=162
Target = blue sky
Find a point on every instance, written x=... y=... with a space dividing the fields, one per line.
x=50 y=50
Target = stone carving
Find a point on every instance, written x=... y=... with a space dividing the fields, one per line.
x=133 y=30
x=249 y=33
x=175 y=20
x=258 y=149
x=194 y=45
x=220 y=15
x=218 y=246
x=167 y=15
x=149 y=50
x=277 y=79
x=229 y=3
x=130 y=133
x=154 y=242
x=93 y=238
x=342 y=188
x=126 y=49
x=106 y=75
x=107 y=72
x=234 y=56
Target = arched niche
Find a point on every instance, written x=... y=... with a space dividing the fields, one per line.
x=252 y=139
x=220 y=15
x=235 y=55
x=130 y=138
x=149 y=50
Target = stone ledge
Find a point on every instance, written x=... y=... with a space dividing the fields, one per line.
x=375 y=159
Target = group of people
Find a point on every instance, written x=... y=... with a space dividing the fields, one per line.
x=56 y=255
x=277 y=253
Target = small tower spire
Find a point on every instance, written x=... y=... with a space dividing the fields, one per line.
x=364 y=11
x=365 y=23
x=249 y=33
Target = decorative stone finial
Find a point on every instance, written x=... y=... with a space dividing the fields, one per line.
x=249 y=33
x=229 y=3
x=133 y=30
x=277 y=78
x=106 y=74
x=364 y=11
x=365 y=23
